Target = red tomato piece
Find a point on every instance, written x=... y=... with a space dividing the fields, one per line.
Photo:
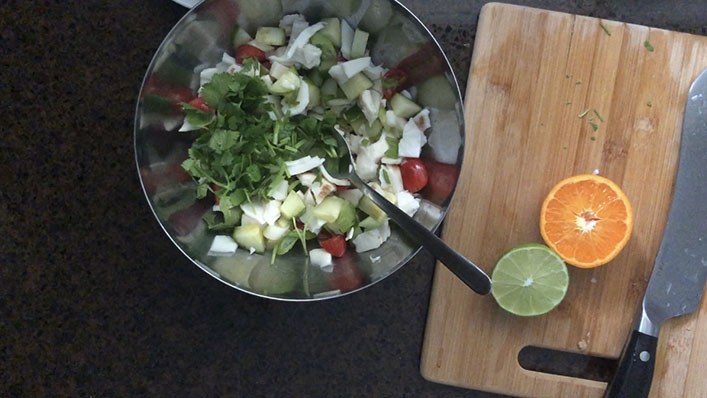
x=246 y=51
x=345 y=276
x=340 y=188
x=324 y=235
x=336 y=245
x=267 y=65
x=414 y=174
x=199 y=104
x=300 y=225
x=442 y=180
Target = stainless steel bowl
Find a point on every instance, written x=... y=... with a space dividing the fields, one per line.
x=398 y=39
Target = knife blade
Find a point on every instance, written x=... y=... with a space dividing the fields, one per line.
x=680 y=270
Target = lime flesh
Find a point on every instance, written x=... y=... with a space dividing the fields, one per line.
x=529 y=280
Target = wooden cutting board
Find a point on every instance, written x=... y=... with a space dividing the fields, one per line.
x=533 y=72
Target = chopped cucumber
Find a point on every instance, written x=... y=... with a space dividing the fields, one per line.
x=240 y=36
x=316 y=77
x=314 y=94
x=287 y=83
x=377 y=16
x=270 y=36
x=292 y=207
x=375 y=130
x=371 y=223
x=329 y=209
x=332 y=30
x=329 y=53
x=367 y=206
x=262 y=47
x=329 y=89
x=276 y=279
x=346 y=39
x=358 y=47
x=277 y=70
x=248 y=236
x=404 y=107
x=436 y=92
x=356 y=85
x=347 y=217
x=271 y=244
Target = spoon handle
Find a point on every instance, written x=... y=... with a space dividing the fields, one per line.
x=464 y=269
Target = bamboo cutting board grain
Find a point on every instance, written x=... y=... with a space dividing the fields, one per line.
x=533 y=73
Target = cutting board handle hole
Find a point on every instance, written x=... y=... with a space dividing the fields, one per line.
x=546 y=360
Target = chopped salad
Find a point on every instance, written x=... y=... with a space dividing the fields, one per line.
x=265 y=149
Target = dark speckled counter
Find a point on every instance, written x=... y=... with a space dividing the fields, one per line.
x=96 y=301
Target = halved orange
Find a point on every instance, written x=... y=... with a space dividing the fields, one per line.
x=587 y=220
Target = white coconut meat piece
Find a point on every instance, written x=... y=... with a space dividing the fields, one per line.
x=374 y=72
x=370 y=101
x=304 y=164
x=407 y=202
x=280 y=191
x=445 y=139
x=248 y=220
x=306 y=179
x=394 y=121
x=354 y=67
x=308 y=56
x=394 y=182
x=272 y=212
x=287 y=21
x=302 y=38
x=322 y=189
x=223 y=246
x=413 y=140
x=372 y=239
x=320 y=258
x=275 y=232
x=422 y=120
x=336 y=181
x=312 y=223
x=386 y=160
x=308 y=198
x=366 y=166
x=351 y=195
x=350 y=234
x=429 y=214
x=302 y=101
x=337 y=73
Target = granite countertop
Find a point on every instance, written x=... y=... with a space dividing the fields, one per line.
x=94 y=298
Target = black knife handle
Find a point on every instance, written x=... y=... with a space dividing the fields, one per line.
x=635 y=371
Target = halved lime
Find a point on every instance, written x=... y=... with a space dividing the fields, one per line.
x=529 y=280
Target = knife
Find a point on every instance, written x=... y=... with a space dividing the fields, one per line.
x=680 y=269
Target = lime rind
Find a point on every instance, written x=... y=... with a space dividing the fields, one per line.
x=529 y=280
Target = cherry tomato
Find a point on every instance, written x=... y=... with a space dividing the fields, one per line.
x=422 y=65
x=199 y=104
x=414 y=174
x=324 y=235
x=345 y=276
x=336 y=245
x=398 y=78
x=441 y=182
x=246 y=51
x=300 y=225
x=267 y=65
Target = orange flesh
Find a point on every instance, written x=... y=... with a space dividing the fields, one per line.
x=587 y=220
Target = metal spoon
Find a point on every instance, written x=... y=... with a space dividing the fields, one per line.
x=464 y=269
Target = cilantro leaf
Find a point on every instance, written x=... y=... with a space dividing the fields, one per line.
x=197 y=117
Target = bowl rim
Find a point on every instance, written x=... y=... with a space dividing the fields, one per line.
x=148 y=72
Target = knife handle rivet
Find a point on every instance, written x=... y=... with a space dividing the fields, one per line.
x=644 y=356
